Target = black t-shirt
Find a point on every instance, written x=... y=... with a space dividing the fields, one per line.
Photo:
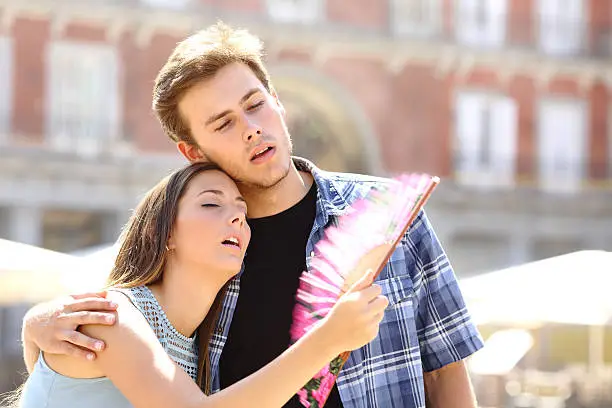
x=274 y=262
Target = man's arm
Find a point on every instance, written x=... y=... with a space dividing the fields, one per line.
x=449 y=386
x=138 y=366
x=53 y=326
x=446 y=333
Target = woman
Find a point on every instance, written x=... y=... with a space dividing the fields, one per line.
x=184 y=242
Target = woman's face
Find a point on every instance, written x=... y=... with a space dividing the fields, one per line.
x=210 y=231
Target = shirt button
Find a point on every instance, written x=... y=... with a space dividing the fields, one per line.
x=312 y=254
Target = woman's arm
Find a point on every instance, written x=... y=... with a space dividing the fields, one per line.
x=137 y=364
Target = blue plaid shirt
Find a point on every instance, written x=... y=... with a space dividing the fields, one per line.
x=425 y=327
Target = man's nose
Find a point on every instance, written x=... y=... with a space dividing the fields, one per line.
x=252 y=133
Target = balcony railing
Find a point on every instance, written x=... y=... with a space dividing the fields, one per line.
x=569 y=174
x=555 y=37
x=70 y=136
x=83 y=135
x=38 y=158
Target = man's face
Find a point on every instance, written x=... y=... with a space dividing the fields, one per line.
x=238 y=125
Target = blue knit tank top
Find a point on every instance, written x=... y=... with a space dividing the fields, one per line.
x=46 y=388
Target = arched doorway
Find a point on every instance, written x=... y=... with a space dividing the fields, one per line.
x=324 y=129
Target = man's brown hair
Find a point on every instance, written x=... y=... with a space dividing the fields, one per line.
x=197 y=58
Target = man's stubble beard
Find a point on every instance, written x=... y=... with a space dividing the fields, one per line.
x=261 y=186
x=265 y=186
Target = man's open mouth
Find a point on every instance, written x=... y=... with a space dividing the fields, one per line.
x=260 y=153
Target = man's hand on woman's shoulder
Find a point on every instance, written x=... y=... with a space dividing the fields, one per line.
x=53 y=326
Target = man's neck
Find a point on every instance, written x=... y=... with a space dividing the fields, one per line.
x=282 y=196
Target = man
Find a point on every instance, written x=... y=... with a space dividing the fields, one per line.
x=214 y=98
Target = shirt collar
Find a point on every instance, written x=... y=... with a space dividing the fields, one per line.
x=331 y=198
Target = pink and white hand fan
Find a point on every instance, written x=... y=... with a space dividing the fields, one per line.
x=365 y=236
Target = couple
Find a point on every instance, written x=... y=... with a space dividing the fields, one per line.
x=214 y=98
x=184 y=242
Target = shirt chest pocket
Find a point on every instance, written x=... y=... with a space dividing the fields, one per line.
x=398 y=289
x=398 y=328
x=394 y=279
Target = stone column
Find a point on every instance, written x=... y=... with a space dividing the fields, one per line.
x=521 y=250
x=112 y=224
x=24 y=224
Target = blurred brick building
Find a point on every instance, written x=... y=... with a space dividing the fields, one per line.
x=507 y=100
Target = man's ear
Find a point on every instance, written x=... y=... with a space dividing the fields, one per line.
x=191 y=152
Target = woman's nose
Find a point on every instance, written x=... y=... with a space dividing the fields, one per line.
x=238 y=218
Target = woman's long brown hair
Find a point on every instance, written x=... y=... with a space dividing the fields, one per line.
x=142 y=253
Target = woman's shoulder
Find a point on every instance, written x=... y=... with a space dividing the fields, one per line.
x=127 y=319
x=142 y=299
x=129 y=333
x=127 y=314
x=131 y=295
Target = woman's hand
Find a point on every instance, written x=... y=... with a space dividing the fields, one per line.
x=354 y=320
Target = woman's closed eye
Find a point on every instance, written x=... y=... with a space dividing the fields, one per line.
x=210 y=205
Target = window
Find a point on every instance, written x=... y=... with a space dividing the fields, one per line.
x=420 y=18
x=295 y=11
x=486 y=134
x=561 y=144
x=83 y=96
x=481 y=23
x=561 y=26
x=6 y=91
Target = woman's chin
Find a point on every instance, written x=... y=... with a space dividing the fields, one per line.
x=230 y=266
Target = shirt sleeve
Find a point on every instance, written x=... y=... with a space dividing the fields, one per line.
x=445 y=330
